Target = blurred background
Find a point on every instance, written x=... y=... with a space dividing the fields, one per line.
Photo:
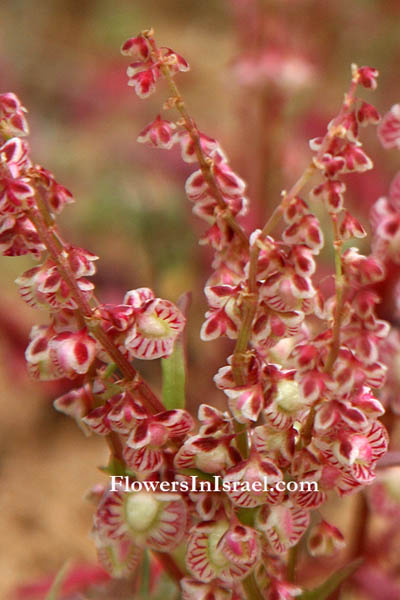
x=266 y=76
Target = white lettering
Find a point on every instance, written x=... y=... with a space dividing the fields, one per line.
x=150 y=486
x=245 y=486
x=115 y=486
x=136 y=486
x=205 y=486
x=226 y=486
x=257 y=487
x=308 y=486
x=184 y=486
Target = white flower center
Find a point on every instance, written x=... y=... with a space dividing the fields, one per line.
x=140 y=510
x=211 y=462
x=151 y=326
x=288 y=397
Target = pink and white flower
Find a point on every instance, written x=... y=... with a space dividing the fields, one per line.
x=215 y=550
x=143 y=450
x=156 y=325
x=12 y=116
x=325 y=540
x=159 y=133
x=251 y=482
x=283 y=525
x=223 y=317
x=153 y=520
x=72 y=353
x=207 y=453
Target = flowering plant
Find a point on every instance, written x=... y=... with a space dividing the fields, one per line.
x=301 y=383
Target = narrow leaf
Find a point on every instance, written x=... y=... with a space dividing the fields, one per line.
x=145 y=576
x=55 y=590
x=323 y=591
x=174 y=366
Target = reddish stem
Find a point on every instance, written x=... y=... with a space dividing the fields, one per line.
x=59 y=257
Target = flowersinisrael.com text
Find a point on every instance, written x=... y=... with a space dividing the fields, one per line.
x=123 y=483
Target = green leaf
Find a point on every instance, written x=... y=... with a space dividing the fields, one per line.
x=145 y=576
x=55 y=589
x=114 y=467
x=174 y=367
x=173 y=371
x=323 y=591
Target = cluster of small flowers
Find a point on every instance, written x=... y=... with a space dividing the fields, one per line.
x=320 y=417
x=298 y=391
x=385 y=213
x=85 y=341
x=385 y=219
x=141 y=327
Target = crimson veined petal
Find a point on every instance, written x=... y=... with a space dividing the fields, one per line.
x=143 y=460
x=125 y=412
x=196 y=185
x=18 y=236
x=97 y=420
x=207 y=505
x=251 y=482
x=75 y=403
x=174 y=60
x=325 y=539
x=118 y=557
x=205 y=557
x=155 y=330
x=207 y=453
x=72 y=353
x=14 y=153
x=12 y=117
x=144 y=82
x=37 y=354
x=277 y=444
x=188 y=149
x=227 y=180
x=137 y=298
x=241 y=545
x=282 y=525
x=159 y=133
x=155 y=520
x=178 y=422
x=137 y=47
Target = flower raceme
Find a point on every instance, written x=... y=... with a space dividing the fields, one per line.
x=298 y=383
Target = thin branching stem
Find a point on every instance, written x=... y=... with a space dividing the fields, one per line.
x=88 y=318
